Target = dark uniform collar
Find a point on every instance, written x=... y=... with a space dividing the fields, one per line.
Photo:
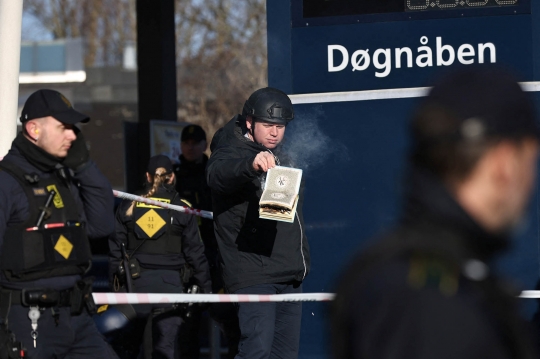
x=38 y=157
x=164 y=188
x=428 y=203
x=191 y=164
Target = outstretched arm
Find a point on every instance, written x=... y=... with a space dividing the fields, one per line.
x=226 y=172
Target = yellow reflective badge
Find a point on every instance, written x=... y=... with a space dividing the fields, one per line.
x=57 y=200
x=151 y=222
x=63 y=246
x=102 y=308
x=144 y=205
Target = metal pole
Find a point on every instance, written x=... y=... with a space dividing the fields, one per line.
x=10 y=53
x=215 y=340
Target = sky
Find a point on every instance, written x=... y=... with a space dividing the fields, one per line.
x=32 y=30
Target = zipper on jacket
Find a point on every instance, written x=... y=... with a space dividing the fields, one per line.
x=302 y=245
x=299 y=223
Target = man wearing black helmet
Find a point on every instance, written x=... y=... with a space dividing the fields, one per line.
x=258 y=256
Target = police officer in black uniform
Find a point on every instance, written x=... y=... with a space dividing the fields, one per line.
x=191 y=185
x=427 y=289
x=159 y=242
x=52 y=199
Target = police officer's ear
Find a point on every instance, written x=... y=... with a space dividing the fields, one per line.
x=32 y=129
x=149 y=178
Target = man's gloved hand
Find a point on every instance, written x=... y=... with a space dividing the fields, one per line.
x=78 y=154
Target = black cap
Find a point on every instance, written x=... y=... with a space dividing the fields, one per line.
x=484 y=102
x=43 y=103
x=158 y=161
x=193 y=132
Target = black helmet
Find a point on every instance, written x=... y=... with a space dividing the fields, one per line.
x=270 y=105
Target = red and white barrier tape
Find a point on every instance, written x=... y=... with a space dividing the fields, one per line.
x=155 y=298
x=132 y=197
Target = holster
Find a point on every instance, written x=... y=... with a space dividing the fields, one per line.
x=10 y=348
x=186 y=272
x=81 y=296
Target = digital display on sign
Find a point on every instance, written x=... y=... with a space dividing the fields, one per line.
x=324 y=8
x=419 y=5
x=320 y=8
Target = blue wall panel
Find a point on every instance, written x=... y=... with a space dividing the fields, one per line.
x=355 y=166
x=354 y=153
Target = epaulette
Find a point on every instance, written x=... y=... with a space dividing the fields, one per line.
x=186 y=202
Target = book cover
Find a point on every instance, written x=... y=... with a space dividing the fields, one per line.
x=280 y=196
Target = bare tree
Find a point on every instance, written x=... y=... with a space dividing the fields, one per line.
x=105 y=25
x=220 y=47
x=221 y=54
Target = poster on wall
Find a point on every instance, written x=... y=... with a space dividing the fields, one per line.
x=165 y=138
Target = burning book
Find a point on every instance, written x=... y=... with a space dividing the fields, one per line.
x=280 y=196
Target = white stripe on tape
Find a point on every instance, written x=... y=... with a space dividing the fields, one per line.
x=154 y=298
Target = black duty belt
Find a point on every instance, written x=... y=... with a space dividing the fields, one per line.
x=75 y=298
x=42 y=297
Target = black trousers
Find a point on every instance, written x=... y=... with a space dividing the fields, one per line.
x=70 y=337
x=269 y=330
x=165 y=326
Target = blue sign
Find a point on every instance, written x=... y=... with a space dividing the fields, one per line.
x=405 y=53
x=362 y=146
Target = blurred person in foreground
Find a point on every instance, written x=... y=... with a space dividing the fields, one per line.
x=159 y=242
x=258 y=256
x=427 y=288
x=53 y=198
x=191 y=185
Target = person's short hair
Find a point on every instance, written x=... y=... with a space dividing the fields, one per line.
x=44 y=103
x=465 y=114
x=193 y=132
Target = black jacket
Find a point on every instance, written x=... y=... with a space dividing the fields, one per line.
x=191 y=185
x=93 y=196
x=192 y=246
x=253 y=251
x=426 y=289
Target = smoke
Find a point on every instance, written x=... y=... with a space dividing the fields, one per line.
x=308 y=146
